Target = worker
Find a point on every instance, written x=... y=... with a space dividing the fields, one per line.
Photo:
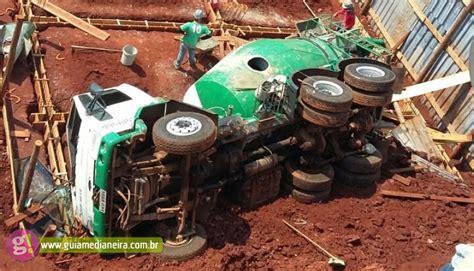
x=349 y=15
x=193 y=32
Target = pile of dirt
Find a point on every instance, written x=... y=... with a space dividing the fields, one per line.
x=263 y=13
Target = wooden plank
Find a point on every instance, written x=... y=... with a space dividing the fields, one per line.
x=401 y=179
x=419 y=196
x=426 y=21
x=26 y=134
x=454 y=138
x=211 y=15
x=22 y=215
x=68 y=17
x=432 y=86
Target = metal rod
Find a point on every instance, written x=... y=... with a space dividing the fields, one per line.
x=271 y=148
x=308 y=239
x=11 y=56
x=77 y=47
x=445 y=42
x=29 y=176
x=184 y=192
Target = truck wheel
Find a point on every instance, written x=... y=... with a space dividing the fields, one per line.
x=326 y=93
x=310 y=197
x=184 y=133
x=322 y=118
x=369 y=77
x=371 y=99
x=360 y=163
x=187 y=250
x=355 y=179
x=306 y=196
x=309 y=179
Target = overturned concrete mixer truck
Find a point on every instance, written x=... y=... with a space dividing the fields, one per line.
x=270 y=115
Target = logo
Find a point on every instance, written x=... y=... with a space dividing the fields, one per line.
x=22 y=245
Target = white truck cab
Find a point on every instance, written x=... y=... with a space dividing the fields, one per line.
x=94 y=115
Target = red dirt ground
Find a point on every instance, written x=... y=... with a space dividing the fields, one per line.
x=153 y=70
x=394 y=234
x=284 y=13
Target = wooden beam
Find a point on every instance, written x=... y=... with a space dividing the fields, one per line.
x=11 y=58
x=401 y=179
x=24 y=214
x=68 y=17
x=427 y=22
x=26 y=134
x=453 y=138
x=418 y=196
x=432 y=86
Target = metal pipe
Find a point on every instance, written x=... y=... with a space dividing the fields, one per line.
x=29 y=176
x=77 y=47
x=261 y=165
x=445 y=42
x=11 y=57
x=141 y=196
x=272 y=148
x=185 y=172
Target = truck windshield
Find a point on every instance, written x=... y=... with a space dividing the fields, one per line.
x=73 y=126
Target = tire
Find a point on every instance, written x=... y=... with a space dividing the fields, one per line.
x=305 y=196
x=310 y=197
x=355 y=179
x=369 y=77
x=168 y=136
x=362 y=163
x=311 y=180
x=326 y=94
x=371 y=99
x=322 y=118
x=194 y=247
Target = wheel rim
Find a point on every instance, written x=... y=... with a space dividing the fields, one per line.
x=183 y=126
x=328 y=88
x=172 y=243
x=370 y=71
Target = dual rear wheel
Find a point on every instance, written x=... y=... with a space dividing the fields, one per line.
x=327 y=101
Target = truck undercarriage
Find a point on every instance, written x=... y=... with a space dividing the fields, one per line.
x=294 y=116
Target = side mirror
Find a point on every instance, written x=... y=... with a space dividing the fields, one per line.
x=95 y=90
